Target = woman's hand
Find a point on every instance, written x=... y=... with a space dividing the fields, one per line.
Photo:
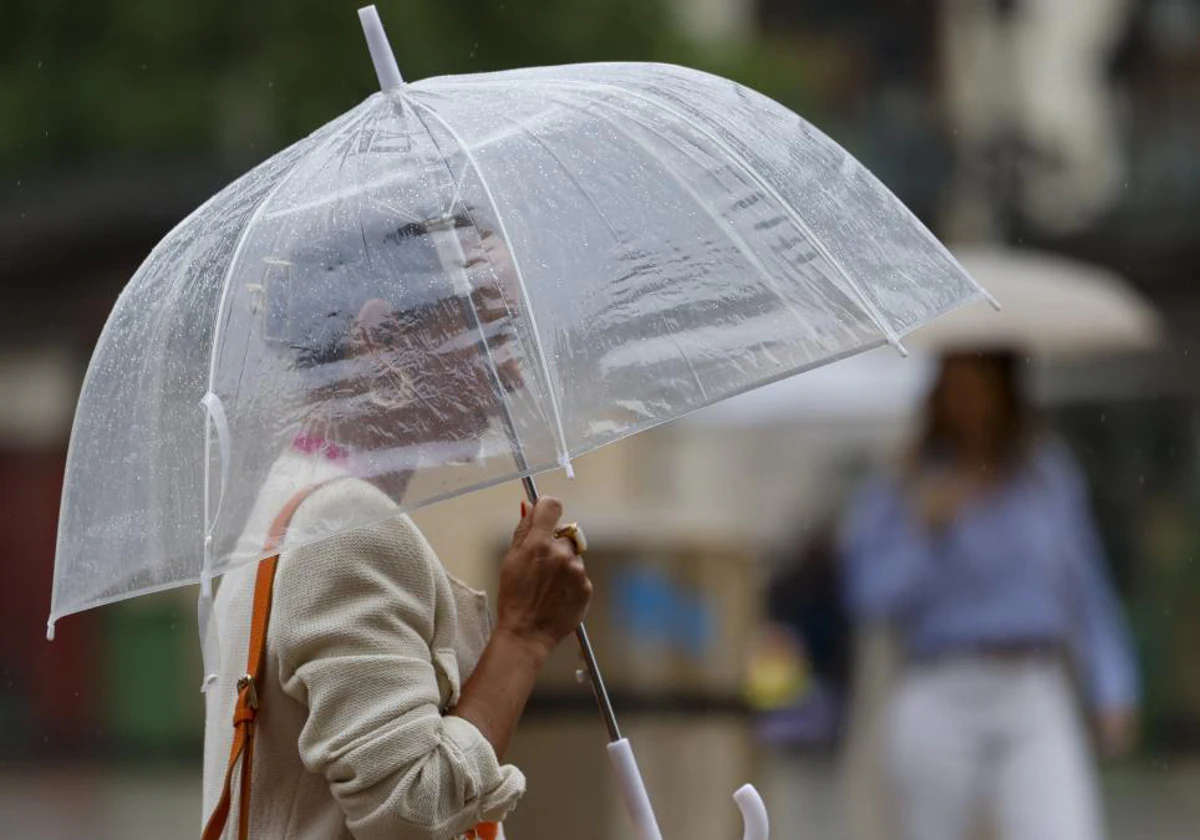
x=544 y=588
x=1117 y=731
x=544 y=595
x=941 y=497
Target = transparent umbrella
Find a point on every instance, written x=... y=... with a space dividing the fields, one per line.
x=489 y=274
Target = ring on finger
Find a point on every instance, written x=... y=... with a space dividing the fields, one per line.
x=574 y=533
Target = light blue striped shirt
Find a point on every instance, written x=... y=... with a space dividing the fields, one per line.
x=1020 y=565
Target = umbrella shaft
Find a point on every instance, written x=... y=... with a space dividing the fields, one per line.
x=589 y=655
x=454 y=261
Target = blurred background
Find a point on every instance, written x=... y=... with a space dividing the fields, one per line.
x=1016 y=127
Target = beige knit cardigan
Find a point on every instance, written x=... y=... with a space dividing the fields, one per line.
x=369 y=643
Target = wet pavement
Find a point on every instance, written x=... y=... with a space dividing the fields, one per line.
x=1157 y=800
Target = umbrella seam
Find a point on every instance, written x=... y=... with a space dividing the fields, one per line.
x=868 y=306
x=765 y=185
x=538 y=343
x=505 y=400
x=65 y=504
x=221 y=320
x=611 y=230
x=739 y=241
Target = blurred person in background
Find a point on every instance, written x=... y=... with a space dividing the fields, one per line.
x=981 y=554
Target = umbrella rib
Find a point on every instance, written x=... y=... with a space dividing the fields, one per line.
x=608 y=226
x=222 y=317
x=564 y=452
x=732 y=232
x=457 y=181
x=764 y=185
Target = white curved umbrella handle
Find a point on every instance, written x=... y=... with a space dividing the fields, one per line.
x=756 y=825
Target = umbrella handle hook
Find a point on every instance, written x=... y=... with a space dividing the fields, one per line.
x=756 y=823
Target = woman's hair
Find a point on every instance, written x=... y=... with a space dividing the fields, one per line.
x=1014 y=429
x=310 y=307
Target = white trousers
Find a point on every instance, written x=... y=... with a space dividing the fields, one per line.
x=969 y=739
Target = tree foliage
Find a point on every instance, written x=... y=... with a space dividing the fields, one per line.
x=123 y=81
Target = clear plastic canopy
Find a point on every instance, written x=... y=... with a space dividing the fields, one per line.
x=468 y=279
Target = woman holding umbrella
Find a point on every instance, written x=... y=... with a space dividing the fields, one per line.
x=982 y=554
x=387 y=699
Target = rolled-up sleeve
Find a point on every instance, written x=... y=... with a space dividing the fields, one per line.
x=355 y=629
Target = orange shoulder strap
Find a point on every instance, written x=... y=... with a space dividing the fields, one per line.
x=246 y=709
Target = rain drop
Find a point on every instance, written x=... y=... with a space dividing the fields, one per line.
x=143 y=66
x=39 y=65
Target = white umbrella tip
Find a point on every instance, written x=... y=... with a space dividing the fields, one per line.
x=564 y=461
x=382 y=56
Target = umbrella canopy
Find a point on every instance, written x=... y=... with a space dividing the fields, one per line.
x=875 y=386
x=1055 y=308
x=1059 y=310
x=469 y=279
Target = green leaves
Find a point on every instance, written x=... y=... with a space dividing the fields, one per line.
x=118 y=81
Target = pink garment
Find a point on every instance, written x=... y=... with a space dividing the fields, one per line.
x=313 y=444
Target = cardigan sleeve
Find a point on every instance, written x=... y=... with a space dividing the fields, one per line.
x=354 y=627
